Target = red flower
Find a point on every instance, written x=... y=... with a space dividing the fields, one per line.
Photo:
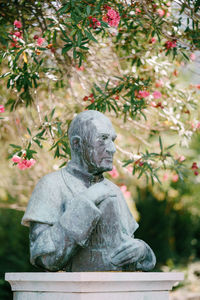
x=17 y=24
x=194 y=166
x=196 y=173
x=170 y=44
x=36 y=37
x=85 y=98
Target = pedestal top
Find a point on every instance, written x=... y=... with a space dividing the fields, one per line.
x=90 y=281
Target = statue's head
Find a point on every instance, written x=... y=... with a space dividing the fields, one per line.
x=92 y=138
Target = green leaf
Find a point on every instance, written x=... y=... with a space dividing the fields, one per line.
x=90 y=36
x=29 y=131
x=66 y=48
x=63 y=9
x=88 y=9
x=15 y=146
x=161 y=145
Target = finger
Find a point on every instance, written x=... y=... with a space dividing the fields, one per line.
x=126 y=259
x=126 y=255
x=125 y=246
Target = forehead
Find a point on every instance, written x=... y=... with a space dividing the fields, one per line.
x=103 y=126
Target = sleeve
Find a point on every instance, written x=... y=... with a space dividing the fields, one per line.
x=148 y=262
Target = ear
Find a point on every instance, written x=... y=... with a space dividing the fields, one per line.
x=76 y=143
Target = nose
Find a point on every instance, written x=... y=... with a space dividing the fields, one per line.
x=111 y=149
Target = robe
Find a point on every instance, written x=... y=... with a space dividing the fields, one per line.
x=69 y=232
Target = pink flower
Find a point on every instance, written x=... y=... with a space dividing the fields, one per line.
x=170 y=44
x=137 y=11
x=143 y=94
x=18 y=34
x=29 y=163
x=165 y=177
x=126 y=193
x=181 y=158
x=175 y=178
x=21 y=165
x=40 y=41
x=114 y=173
x=18 y=24
x=112 y=14
x=159 y=83
x=2 y=109
x=16 y=159
x=113 y=17
x=192 y=56
x=152 y=40
x=161 y=12
x=157 y=95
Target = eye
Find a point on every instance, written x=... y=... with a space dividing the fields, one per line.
x=104 y=137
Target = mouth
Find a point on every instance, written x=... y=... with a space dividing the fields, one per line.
x=108 y=159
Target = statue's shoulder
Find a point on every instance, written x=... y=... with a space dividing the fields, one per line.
x=113 y=185
x=50 y=179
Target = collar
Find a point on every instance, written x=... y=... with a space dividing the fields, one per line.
x=89 y=179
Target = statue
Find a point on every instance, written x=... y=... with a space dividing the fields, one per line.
x=79 y=221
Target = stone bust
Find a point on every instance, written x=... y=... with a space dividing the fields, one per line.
x=78 y=220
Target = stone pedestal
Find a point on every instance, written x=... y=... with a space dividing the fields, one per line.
x=92 y=285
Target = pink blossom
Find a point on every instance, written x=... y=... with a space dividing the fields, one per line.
x=16 y=159
x=137 y=11
x=168 y=4
x=18 y=34
x=113 y=17
x=40 y=41
x=18 y=24
x=175 y=178
x=126 y=193
x=112 y=14
x=161 y=12
x=181 y=158
x=2 y=109
x=21 y=165
x=192 y=56
x=159 y=83
x=165 y=177
x=29 y=163
x=198 y=125
x=157 y=95
x=153 y=40
x=143 y=94
x=114 y=173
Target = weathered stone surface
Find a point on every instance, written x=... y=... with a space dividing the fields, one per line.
x=90 y=286
x=79 y=221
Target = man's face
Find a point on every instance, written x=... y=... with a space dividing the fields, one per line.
x=99 y=149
